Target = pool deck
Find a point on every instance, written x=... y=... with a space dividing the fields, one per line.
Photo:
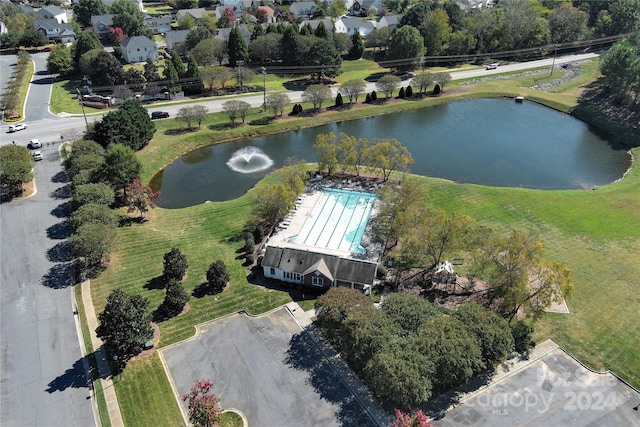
x=293 y=225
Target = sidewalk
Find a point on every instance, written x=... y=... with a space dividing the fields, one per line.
x=108 y=389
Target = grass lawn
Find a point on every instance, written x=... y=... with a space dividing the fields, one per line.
x=594 y=233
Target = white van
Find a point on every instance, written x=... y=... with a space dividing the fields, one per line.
x=492 y=66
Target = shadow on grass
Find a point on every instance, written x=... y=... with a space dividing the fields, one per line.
x=180 y=131
x=222 y=126
x=155 y=283
x=73 y=377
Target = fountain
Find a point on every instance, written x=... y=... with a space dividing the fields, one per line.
x=249 y=159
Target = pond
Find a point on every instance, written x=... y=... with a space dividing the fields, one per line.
x=493 y=142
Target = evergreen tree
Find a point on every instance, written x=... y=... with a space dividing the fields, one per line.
x=178 y=65
x=236 y=47
x=322 y=32
x=357 y=46
x=290 y=46
x=339 y=101
x=175 y=298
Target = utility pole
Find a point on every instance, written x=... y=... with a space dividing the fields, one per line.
x=83 y=112
x=264 y=88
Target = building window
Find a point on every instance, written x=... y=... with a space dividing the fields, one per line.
x=317 y=281
x=273 y=271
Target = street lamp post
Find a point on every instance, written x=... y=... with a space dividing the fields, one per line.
x=264 y=88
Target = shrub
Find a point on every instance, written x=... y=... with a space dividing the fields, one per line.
x=175 y=265
x=409 y=92
x=374 y=96
x=92 y=193
x=258 y=233
x=217 y=276
x=367 y=99
x=522 y=336
x=339 y=101
x=94 y=213
x=437 y=90
x=401 y=93
x=250 y=259
x=175 y=298
x=249 y=245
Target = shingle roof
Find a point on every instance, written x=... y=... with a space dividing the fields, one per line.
x=195 y=13
x=136 y=42
x=177 y=36
x=52 y=9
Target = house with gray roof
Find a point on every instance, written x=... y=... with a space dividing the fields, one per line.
x=223 y=33
x=304 y=9
x=175 y=38
x=138 y=49
x=53 y=12
x=101 y=24
x=196 y=14
x=328 y=24
x=350 y=25
x=55 y=31
x=389 y=21
x=158 y=24
x=316 y=270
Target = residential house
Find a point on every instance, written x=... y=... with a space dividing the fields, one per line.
x=101 y=25
x=474 y=4
x=350 y=25
x=53 y=12
x=158 y=24
x=316 y=270
x=223 y=34
x=175 y=39
x=328 y=24
x=268 y=12
x=361 y=7
x=196 y=14
x=28 y=9
x=389 y=21
x=55 y=31
x=138 y=3
x=138 y=49
x=237 y=11
x=302 y=9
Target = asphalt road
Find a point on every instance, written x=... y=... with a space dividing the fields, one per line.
x=47 y=127
x=41 y=365
x=37 y=107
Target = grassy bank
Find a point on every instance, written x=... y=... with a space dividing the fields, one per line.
x=594 y=233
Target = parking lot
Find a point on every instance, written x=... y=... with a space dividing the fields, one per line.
x=553 y=390
x=267 y=368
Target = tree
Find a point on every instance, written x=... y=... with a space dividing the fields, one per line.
x=84 y=43
x=83 y=10
x=134 y=79
x=117 y=35
x=320 y=54
x=208 y=51
x=357 y=46
x=266 y=48
x=227 y=19
x=178 y=65
x=290 y=39
x=342 y=43
x=322 y=32
x=567 y=23
x=129 y=125
x=203 y=411
x=339 y=100
x=352 y=89
x=16 y=167
x=32 y=38
x=86 y=59
x=195 y=113
x=274 y=203
x=514 y=266
x=442 y=79
x=423 y=81
x=625 y=15
x=236 y=47
x=94 y=213
x=406 y=47
x=406 y=420
x=409 y=312
x=332 y=310
x=276 y=103
x=224 y=75
x=125 y=325
x=140 y=198
x=175 y=298
x=435 y=31
x=196 y=36
x=491 y=331
x=186 y=22
x=378 y=38
x=174 y=265
x=128 y=17
x=93 y=242
x=387 y=84
x=235 y=109
x=217 y=276
x=453 y=350
x=105 y=69
x=120 y=167
x=328 y=152
x=316 y=94
x=337 y=8
x=389 y=155
x=92 y=193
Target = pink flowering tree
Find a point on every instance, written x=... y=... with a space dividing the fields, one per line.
x=203 y=409
x=140 y=198
x=405 y=420
x=116 y=35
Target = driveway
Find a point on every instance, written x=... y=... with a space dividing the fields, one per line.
x=37 y=107
x=267 y=368
x=43 y=371
x=553 y=389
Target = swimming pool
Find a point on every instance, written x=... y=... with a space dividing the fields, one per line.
x=338 y=220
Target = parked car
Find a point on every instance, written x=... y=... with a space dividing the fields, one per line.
x=159 y=115
x=37 y=155
x=16 y=128
x=33 y=144
x=492 y=66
